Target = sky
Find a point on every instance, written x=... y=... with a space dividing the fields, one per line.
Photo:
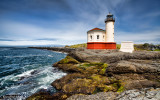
x=66 y=22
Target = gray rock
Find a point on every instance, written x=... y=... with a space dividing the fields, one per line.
x=98 y=96
x=144 y=94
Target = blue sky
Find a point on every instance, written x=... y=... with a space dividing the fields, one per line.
x=66 y=22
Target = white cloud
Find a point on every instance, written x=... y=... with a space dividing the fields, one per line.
x=151 y=36
x=25 y=34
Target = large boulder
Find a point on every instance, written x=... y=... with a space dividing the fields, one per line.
x=133 y=67
x=78 y=83
x=59 y=83
x=112 y=56
x=136 y=74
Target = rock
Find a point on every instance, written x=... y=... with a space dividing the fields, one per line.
x=125 y=71
x=143 y=94
x=68 y=60
x=71 y=65
x=46 y=96
x=136 y=74
x=111 y=56
x=98 y=96
x=139 y=84
x=132 y=67
x=78 y=83
x=40 y=96
x=84 y=86
x=59 y=83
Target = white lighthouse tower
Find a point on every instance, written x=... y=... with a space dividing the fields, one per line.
x=109 y=28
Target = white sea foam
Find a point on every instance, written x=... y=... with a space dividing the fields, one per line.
x=49 y=75
x=27 y=73
x=50 y=56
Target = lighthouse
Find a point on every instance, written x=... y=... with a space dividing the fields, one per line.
x=102 y=39
x=110 y=28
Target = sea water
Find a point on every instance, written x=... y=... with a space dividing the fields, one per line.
x=24 y=71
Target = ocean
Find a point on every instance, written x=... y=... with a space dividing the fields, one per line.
x=24 y=71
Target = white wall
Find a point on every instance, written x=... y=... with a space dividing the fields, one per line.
x=94 y=36
x=110 y=31
x=127 y=46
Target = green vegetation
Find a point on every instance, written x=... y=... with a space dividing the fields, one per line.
x=118 y=85
x=91 y=68
x=83 y=45
x=120 y=89
x=104 y=69
x=137 y=47
x=147 y=46
x=89 y=77
x=118 y=46
x=156 y=50
x=68 y=60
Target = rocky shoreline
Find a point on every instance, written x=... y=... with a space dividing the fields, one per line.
x=107 y=72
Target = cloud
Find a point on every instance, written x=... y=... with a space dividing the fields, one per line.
x=6 y=40
x=73 y=32
x=151 y=36
x=66 y=22
x=47 y=39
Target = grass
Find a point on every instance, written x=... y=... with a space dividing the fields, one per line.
x=68 y=60
x=86 y=65
x=83 y=45
x=119 y=86
x=118 y=46
x=156 y=50
x=137 y=47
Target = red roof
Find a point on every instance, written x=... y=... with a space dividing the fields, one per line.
x=95 y=29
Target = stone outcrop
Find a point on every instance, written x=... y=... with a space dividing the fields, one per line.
x=136 y=74
x=98 y=96
x=108 y=72
x=144 y=94
x=135 y=66
x=85 y=78
x=112 y=56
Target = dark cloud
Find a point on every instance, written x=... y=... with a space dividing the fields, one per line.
x=33 y=6
x=6 y=40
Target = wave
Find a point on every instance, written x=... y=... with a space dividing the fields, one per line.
x=5 y=49
x=22 y=56
x=50 y=56
x=26 y=71
x=31 y=81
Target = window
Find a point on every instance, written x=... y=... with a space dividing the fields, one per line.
x=103 y=36
x=91 y=37
x=97 y=36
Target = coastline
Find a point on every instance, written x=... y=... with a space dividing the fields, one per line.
x=128 y=65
